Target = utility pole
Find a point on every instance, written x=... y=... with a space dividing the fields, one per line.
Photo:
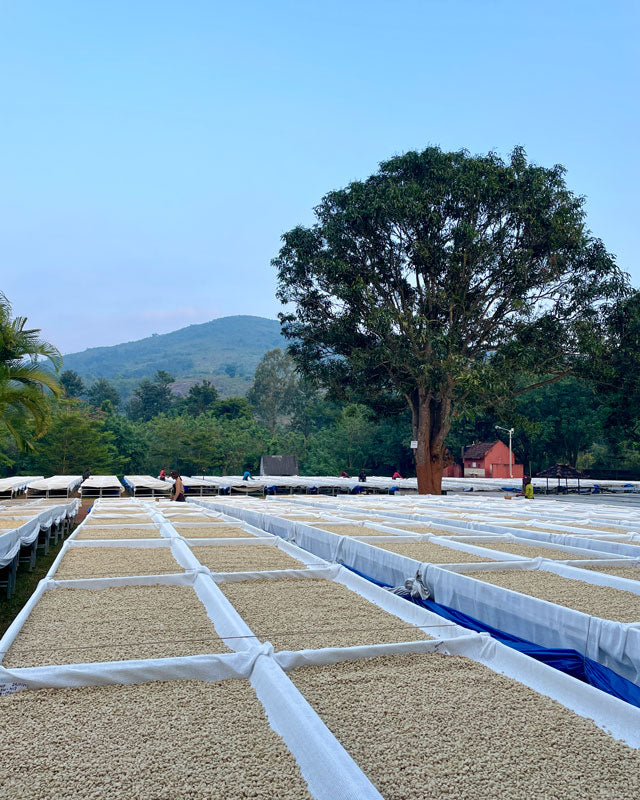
x=510 y=432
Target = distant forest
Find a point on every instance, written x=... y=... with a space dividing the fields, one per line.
x=206 y=433
x=225 y=351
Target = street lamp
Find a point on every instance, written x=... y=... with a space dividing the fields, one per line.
x=510 y=432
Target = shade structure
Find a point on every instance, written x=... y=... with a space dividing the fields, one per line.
x=101 y=486
x=56 y=486
x=146 y=485
x=9 y=487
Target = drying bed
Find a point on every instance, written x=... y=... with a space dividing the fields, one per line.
x=598 y=601
x=300 y=613
x=118 y=533
x=426 y=529
x=172 y=739
x=117 y=519
x=574 y=532
x=14 y=522
x=244 y=558
x=531 y=551
x=433 y=553
x=213 y=532
x=103 y=562
x=594 y=528
x=481 y=735
x=632 y=573
x=349 y=530
x=69 y=626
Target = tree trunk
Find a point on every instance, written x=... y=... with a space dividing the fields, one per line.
x=431 y=422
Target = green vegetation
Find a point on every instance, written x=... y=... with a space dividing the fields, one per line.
x=445 y=283
x=72 y=384
x=23 y=381
x=225 y=351
x=568 y=421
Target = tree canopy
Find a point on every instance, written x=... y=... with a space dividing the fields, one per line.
x=151 y=398
x=72 y=384
x=75 y=441
x=438 y=281
x=200 y=398
x=102 y=392
x=273 y=387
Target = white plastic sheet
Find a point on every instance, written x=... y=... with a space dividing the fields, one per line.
x=57 y=483
x=100 y=483
x=17 y=483
x=12 y=540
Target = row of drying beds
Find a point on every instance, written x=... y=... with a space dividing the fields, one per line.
x=552 y=521
x=348 y=686
x=26 y=530
x=515 y=508
x=558 y=596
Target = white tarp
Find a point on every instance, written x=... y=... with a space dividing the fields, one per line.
x=136 y=482
x=12 y=540
x=100 y=482
x=18 y=483
x=56 y=483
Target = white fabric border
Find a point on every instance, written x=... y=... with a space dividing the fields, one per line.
x=12 y=540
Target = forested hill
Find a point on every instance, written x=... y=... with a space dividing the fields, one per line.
x=225 y=350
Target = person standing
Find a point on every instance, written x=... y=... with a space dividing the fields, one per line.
x=163 y=474
x=177 y=490
x=362 y=477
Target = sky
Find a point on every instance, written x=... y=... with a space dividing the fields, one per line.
x=153 y=153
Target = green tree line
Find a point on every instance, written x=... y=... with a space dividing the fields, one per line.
x=569 y=421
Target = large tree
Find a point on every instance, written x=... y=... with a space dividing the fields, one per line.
x=72 y=384
x=24 y=382
x=273 y=387
x=614 y=368
x=438 y=280
x=201 y=397
x=151 y=398
x=102 y=392
x=74 y=441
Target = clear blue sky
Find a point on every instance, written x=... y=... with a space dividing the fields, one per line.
x=152 y=153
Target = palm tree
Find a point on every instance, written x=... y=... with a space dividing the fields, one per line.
x=23 y=380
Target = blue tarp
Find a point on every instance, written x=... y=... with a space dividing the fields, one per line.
x=569 y=661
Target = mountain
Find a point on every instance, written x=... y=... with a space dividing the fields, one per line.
x=225 y=350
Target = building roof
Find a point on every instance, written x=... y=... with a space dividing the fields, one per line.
x=560 y=471
x=479 y=450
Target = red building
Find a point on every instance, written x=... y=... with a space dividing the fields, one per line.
x=490 y=460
